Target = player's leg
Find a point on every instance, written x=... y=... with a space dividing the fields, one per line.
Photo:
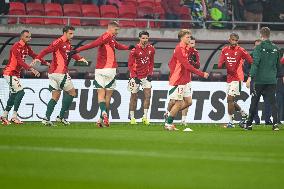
x=175 y=93
x=108 y=95
x=133 y=88
x=11 y=100
x=132 y=108
x=183 y=116
x=231 y=109
x=68 y=96
x=269 y=92
x=146 y=105
x=54 y=88
x=256 y=93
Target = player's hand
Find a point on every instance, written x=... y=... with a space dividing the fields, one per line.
x=35 y=72
x=149 y=78
x=137 y=81
x=248 y=82
x=84 y=60
x=72 y=52
x=206 y=75
x=131 y=47
x=34 y=62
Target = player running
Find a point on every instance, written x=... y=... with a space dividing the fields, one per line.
x=18 y=53
x=105 y=68
x=59 y=78
x=141 y=65
x=232 y=56
x=180 y=77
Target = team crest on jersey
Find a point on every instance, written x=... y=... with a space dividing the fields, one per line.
x=236 y=53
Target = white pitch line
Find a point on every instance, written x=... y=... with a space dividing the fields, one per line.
x=197 y=155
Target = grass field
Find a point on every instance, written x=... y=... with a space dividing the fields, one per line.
x=124 y=156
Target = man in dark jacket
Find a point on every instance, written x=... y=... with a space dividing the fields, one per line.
x=264 y=70
x=253 y=11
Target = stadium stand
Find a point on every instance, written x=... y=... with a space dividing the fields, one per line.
x=53 y=9
x=108 y=11
x=90 y=11
x=35 y=9
x=72 y=10
x=16 y=8
x=127 y=11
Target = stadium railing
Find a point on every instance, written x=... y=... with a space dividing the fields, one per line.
x=149 y=21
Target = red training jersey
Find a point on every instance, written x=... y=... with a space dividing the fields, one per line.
x=18 y=54
x=180 y=68
x=141 y=61
x=60 y=49
x=233 y=58
x=106 y=52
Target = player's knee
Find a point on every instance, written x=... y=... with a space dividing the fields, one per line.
x=21 y=93
x=230 y=99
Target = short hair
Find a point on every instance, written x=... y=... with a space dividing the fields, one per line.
x=113 y=23
x=234 y=35
x=143 y=33
x=192 y=38
x=24 y=31
x=183 y=32
x=67 y=28
x=265 y=32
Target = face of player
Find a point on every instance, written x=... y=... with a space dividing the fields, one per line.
x=69 y=34
x=113 y=30
x=233 y=41
x=185 y=39
x=192 y=43
x=144 y=40
x=26 y=37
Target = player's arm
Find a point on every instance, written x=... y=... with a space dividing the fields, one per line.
x=221 y=60
x=182 y=57
x=152 y=63
x=22 y=63
x=99 y=41
x=132 y=64
x=247 y=56
x=32 y=54
x=120 y=46
x=256 y=60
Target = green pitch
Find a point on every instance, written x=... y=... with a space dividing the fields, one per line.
x=123 y=156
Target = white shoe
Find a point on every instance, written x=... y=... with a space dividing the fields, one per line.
x=62 y=120
x=170 y=127
x=47 y=122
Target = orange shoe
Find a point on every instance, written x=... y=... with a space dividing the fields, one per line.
x=16 y=120
x=106 y=120
x=5 y=120
x=170 y=127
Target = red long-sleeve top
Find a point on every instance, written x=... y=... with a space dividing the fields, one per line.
x=106 y=52
x=59 y=49
x=180 y=68
x=233 y=58
x=141 y=61
x=18 y=53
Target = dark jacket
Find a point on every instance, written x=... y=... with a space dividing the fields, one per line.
x=266 y=63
